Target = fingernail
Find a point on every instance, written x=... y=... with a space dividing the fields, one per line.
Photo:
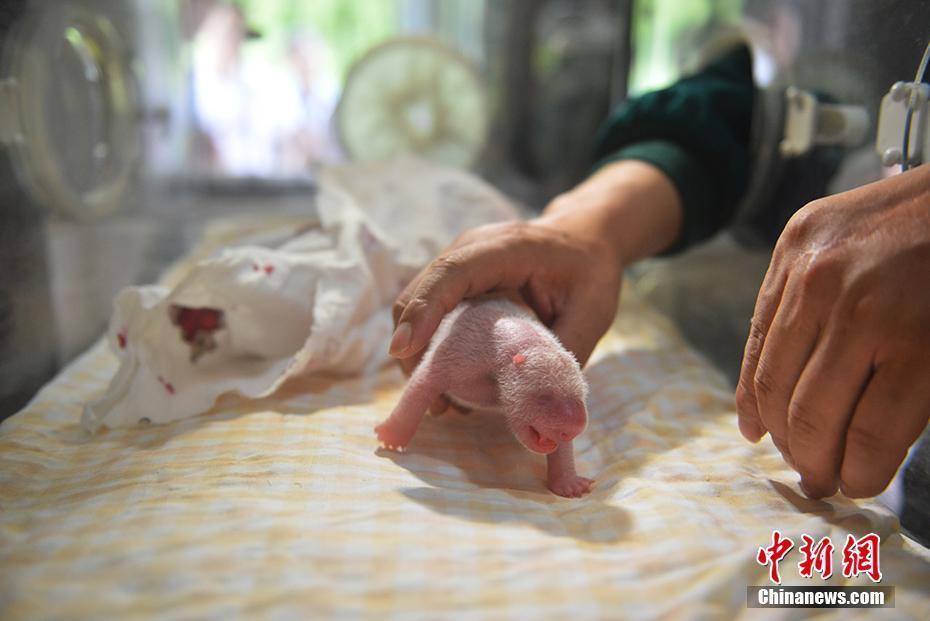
x=750 y=429
x=401 y=339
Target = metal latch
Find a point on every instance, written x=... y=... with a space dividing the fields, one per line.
x=809 y=123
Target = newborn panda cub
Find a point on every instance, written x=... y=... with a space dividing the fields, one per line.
x=494 y=355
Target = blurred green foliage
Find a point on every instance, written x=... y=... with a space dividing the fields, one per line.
x=350 y=27
x=661 y=28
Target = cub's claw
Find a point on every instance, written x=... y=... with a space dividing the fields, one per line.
x=572 y=486
x=392 y=438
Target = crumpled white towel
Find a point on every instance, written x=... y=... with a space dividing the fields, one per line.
x=248 y=319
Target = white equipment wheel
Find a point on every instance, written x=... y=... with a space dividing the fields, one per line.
x=413 y=95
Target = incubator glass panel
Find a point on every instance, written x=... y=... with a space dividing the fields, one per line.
x=126 y=126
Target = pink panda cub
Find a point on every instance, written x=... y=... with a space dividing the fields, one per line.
x=491 y=354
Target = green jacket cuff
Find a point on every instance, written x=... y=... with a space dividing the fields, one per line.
x=686 y=174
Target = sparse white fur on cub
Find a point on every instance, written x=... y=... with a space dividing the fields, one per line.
x=492 y=354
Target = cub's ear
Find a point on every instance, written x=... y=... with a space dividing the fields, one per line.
x=519 y=359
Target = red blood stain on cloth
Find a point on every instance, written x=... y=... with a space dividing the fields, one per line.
x=168 y=385
x=121 y=339
x=194 y=320
x=197 y=327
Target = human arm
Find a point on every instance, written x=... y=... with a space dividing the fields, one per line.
x=697 y=132
x=654 y=192
x=837 y=362
x=567 y=264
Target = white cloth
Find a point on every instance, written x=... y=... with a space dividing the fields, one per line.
x=319 y=302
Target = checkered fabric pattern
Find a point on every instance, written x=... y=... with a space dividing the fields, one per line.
x=284 y=509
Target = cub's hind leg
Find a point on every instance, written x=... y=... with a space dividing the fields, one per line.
x=422 y=389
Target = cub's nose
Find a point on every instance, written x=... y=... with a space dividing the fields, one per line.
x=565 y=430
x=573 y=422
x=571 y=429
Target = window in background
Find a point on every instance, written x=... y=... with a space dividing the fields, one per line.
x=573 y=65
x=267 y=75
x=266 y=78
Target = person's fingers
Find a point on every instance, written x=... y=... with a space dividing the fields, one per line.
x=822 y=404
x=874 y=448
x=404 y=298
x=782 y=446
x=582 y=322
x=408 y=364
x=464 y=272
x=750 y=424
x=786 y=349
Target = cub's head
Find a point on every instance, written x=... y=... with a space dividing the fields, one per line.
x=543 y=395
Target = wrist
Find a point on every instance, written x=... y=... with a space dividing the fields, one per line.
x=630 y=207
x=584 y=223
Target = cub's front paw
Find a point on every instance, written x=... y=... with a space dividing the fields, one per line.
x=570 y=486
x=393 y=437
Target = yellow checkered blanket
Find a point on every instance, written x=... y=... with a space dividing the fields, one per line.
x=283 y=508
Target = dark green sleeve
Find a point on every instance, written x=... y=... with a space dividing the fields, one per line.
x=697 y=132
